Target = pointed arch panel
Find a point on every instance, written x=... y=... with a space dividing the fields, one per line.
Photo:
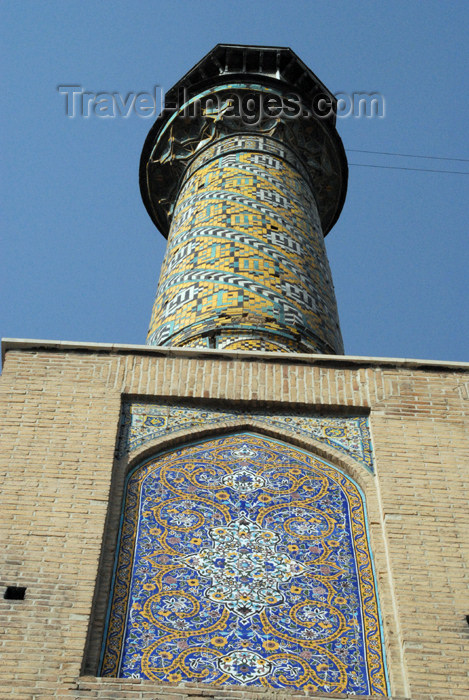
x=245 y=560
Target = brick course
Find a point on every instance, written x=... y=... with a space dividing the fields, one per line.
x=62 y=487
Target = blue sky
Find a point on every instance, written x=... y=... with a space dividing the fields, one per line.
x=80 y=257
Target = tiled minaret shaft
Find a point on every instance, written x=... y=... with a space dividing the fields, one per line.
x=245 y=266
x=247 y=205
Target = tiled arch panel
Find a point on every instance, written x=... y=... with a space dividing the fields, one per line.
x=244 y=560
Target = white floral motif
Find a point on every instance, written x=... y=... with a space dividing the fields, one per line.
x=244 y=666
x=243 y=480
x=243 y=452
x=245 y=567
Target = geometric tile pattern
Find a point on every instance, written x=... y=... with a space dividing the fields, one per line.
x=246 y=266
x=142 y=422
x=245 y=561
x=214 y=114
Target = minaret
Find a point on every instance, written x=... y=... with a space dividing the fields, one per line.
x=189 y=524
x=245 y=174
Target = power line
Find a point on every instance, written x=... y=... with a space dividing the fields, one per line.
x=421 y=170
x=406 y=155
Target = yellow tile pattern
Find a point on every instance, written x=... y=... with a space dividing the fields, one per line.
x=246 y=256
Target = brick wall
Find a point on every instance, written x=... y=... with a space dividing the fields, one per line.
x=59 y=413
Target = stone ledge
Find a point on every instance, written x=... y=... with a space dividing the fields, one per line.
x=339 y=361
x=155 y=690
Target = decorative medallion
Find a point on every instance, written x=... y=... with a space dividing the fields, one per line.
x=245 y=567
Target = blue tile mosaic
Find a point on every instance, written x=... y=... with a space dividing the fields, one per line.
x=142 y=422
x=243 y=560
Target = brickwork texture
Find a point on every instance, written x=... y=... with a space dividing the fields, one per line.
x=62 y=486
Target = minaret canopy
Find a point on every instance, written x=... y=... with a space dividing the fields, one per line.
x=269 y=71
